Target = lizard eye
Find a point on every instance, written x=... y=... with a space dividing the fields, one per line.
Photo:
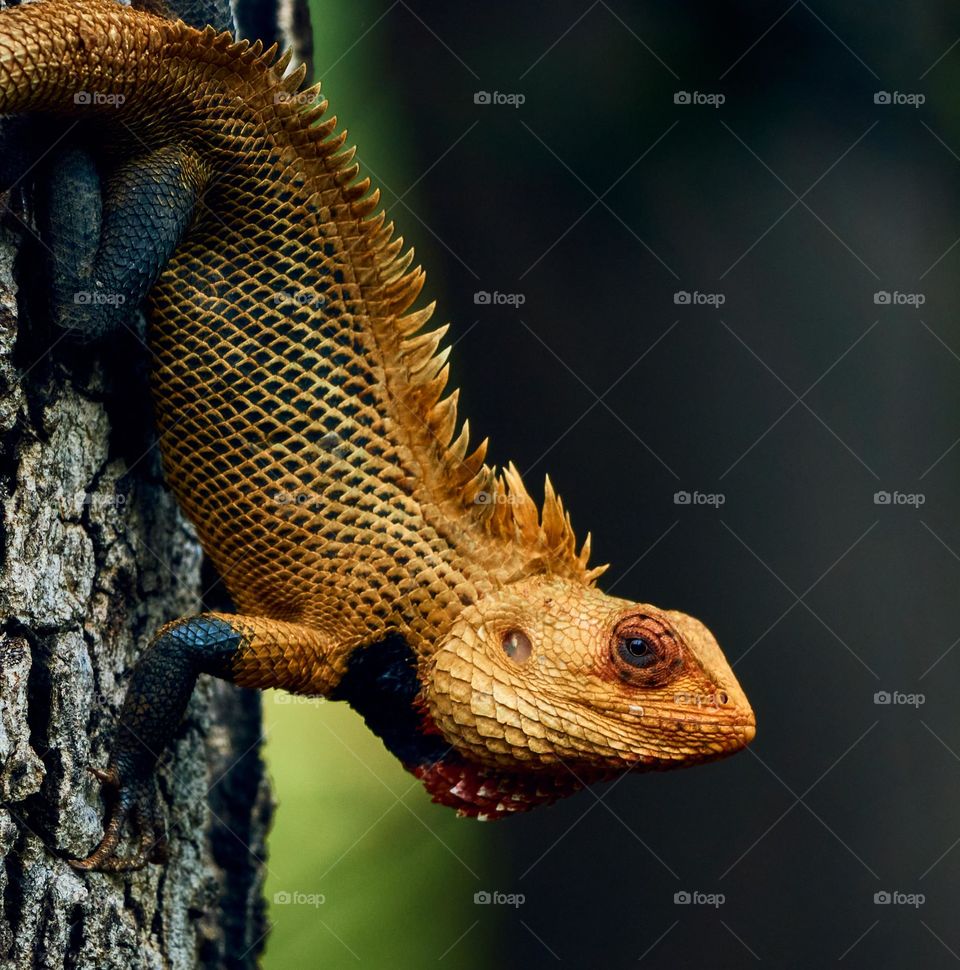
x=636 y=651
x=644 y=651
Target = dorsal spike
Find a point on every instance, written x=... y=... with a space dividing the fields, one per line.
x=346 y=174
x=281 y=63
x=410 y=323
x=458 y=448
x=443 y=418
x=308 y=95
x=295 y=78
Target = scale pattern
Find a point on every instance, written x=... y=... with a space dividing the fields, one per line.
x=299 y=401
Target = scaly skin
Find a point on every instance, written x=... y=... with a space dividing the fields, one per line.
x=370 y=554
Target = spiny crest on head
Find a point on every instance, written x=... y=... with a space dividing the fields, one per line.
x=415 y=366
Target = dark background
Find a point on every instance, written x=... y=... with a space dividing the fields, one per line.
x=796 y=400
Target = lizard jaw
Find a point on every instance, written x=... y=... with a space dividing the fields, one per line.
x=488 y=793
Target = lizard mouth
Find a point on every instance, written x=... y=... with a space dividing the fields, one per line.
x=487 y=793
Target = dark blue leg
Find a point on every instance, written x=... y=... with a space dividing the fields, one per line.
x=109 y=237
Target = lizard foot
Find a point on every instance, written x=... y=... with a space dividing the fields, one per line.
x=133 y=803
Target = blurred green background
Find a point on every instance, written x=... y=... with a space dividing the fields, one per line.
x=352 y=826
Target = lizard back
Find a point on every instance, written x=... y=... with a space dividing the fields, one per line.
x=299 y=404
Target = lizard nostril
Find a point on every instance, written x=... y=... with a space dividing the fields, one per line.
x=517 y=646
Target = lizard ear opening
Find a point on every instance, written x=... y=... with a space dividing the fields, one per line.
x=516 y=645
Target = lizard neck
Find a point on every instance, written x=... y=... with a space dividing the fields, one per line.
x=470 y=565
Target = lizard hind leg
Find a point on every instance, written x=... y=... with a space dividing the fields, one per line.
x=196 y=13
x=246 y=650
x=108 y=238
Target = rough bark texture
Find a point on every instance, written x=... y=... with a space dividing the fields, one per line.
x=95 y=557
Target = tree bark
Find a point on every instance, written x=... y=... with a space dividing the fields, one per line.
x=96 y=556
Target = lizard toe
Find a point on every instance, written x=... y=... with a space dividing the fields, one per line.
x=130 y=804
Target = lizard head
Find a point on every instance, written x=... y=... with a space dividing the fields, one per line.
x=548 y=684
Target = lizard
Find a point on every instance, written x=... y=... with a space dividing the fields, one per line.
x=372 y=553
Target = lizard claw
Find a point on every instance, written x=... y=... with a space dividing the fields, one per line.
x=109 y=778
x=128 y=803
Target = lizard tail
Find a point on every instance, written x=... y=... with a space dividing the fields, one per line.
x=55 y=53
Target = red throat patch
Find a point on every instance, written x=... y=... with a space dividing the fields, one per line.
x=488 y=793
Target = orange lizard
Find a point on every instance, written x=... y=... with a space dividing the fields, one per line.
x=371 y=553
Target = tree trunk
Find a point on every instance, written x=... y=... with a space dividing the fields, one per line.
x=96 y=556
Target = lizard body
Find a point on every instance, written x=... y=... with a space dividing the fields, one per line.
x=371 y=552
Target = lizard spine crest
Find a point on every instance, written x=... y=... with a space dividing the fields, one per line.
x=416 y=366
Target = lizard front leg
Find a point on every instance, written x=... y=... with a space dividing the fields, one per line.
x=246 y=650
